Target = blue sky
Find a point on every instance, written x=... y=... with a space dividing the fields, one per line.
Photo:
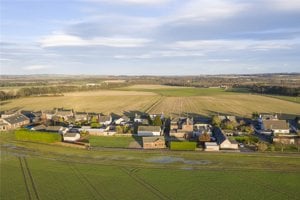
x=149 y=37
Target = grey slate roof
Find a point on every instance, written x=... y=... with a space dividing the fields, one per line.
x=219 y=135
x=16 y=119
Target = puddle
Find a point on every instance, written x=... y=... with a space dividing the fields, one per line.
x=170 y=159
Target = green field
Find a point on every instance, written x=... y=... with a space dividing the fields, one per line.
x=112 y=141
x=179 y=92
x=183 y=146
x=47 y=171
x=286 y=98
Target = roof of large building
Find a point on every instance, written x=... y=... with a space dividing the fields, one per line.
x=219 y=135
x=16 y=119
x=275 y=124
x=149 y=128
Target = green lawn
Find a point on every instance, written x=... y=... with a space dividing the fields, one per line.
x=112 y=141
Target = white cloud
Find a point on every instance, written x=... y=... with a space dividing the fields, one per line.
x=221 y=45
x=162 y=54
x=35 y=67
x=58 y=40
x=288 y=5
x=206 y=10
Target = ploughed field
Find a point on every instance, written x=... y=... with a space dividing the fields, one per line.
x=47 y=171
x=158 y=99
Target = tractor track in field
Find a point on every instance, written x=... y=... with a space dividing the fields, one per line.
x=151 y=188
x=31 y=179
x=147 y=110
x=25 y=179
x=28 y=179
x=84 y=180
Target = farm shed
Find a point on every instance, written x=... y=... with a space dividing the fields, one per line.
x=14 y=121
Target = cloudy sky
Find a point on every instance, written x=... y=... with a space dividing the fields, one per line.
x=150 y=37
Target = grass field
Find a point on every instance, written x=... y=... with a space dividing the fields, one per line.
x=286 y=98
x=43 y=171
x=158 y=99
x=113 y=141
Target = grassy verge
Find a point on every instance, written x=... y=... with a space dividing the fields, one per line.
x=189 y=146
x=37 y=136
x=112 y=141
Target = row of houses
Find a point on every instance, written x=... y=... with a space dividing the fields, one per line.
x=181 y=127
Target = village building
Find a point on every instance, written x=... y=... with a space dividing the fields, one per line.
x=64 y=114
x=149 y=131
x=211 y=146
x=174 y=124
x=141 y=119
x=48 y=114
x=223 y=141
x=34 y=117
x=105 y=119
x=9 y=113
x=181 y=127
x=80 y=116
x=154 y=142
x=275 y=127
x=287 y=140
x=122 y=120
x=71 y=137
x=202 y=125
x=13 y=122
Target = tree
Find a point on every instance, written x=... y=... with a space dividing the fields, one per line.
x=119 y=129
x=229 y=125
x=255 y=115
x=216 y=121
x=262 y=146
x=157 y=121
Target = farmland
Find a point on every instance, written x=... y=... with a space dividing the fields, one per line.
x=157 y=99
x=46 y=171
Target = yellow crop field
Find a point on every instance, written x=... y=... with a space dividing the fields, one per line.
x=157 y=99
x=99 y=101
x=238 y=104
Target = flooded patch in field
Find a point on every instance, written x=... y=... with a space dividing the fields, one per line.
x=170 y=159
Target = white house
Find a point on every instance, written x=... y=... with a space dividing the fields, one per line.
x=106 y=120
x=223 y=141
x=122 y=120
x=149 y=131
x=211 y=146
x=276 y=126
x=71 y=137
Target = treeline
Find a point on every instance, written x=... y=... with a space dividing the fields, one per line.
x=276 y=90
x=53 y=90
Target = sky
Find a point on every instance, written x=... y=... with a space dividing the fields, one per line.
x=149 y=37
